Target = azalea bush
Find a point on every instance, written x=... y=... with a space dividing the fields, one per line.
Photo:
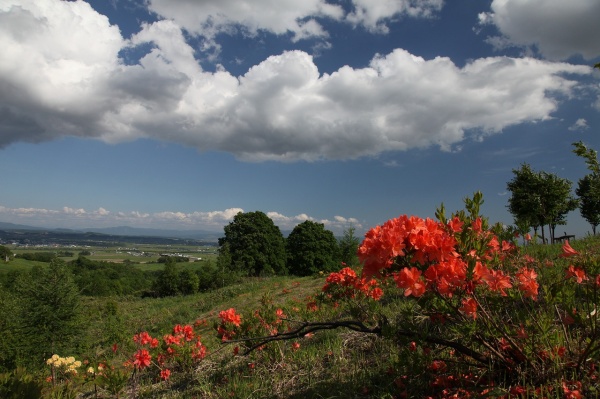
x=474 y=315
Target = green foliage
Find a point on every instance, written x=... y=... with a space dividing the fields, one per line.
x=348 y=245
x=588 y=190
x=49 y=311
x=176 y=259
x=38 y=256
x=539 y=199
x=98 y=278
x=167 y=283
x=19 y=384
x=213 y=276
x=188 y=282
x=588 y=187
x=8 y=330
x=255 y=244
x=113 y=324
x=5 y=254
x=311 y=249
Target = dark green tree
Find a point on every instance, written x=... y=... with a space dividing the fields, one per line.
x=525 y=202
x=540 y=199
x=588 y=187
x=50 y=312
x=349 y=246
x=188 y=281
x=312 y=249
x=5 y=254
x=9 y=332
x=557 y=201
x=167 y=282
x=255 y=244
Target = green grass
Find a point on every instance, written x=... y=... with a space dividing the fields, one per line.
x=138 y=253
x=18 y=265
x=331 y=364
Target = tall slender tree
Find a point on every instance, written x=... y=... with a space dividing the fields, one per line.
x=349 y=246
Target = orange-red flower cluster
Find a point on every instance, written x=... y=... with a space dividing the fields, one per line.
x=423 y=240
x=568 y=251
x=528 y=282
x=144 y=338
x=346 y=283
x=577 y=273
x=230 y=316
x=142 y=359
x=429 y=249
x=229 y=320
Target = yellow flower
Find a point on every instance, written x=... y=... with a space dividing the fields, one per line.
x=77 y=363
x=52 y=360
x=90 y=370
x=70 y=360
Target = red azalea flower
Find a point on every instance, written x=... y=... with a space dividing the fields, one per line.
x=469 y=307
x=376 y=293
x=230 y=316
x=527 y=282
x=568 y=250
x=576 y=272
x=455 y=224
x=165 y=374
x=498 y=281
x=142 y=359
x=410 y=280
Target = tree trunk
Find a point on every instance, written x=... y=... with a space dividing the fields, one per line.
x=543 y=236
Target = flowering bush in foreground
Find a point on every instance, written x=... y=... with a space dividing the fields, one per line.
x=499 y=322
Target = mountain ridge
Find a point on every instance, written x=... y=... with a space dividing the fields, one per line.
x=126 y=231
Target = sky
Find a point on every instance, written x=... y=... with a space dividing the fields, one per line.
x=178 y=114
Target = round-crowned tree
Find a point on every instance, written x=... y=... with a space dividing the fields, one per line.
x=312 y=249
x=255 y=245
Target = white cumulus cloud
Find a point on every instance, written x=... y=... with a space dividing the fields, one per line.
x=209 y=17
x=580 y=124
x=282 y=109
x=557 y=28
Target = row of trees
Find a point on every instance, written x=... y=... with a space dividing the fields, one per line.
x=255 y=246
x=542 y=199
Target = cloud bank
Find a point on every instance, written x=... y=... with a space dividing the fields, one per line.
x=101 y=217
x=61 y=74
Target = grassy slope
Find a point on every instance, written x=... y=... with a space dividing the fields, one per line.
x=333 y=364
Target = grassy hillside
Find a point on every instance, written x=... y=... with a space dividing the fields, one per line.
x=331 y=363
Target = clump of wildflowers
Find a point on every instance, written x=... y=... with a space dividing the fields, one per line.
x=64 y=364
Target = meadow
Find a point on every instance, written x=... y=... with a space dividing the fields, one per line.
x=134 y=253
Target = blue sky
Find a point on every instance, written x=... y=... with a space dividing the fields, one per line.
x=177 y=114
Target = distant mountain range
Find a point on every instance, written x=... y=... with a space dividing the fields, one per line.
x=120 y=231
